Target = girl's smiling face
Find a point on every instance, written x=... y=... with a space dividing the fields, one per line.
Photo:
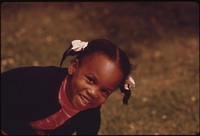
x=92 y=80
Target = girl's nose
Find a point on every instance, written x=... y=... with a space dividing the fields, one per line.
x=93 y=93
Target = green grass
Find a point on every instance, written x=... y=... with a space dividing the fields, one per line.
x=166 y=97
x=163 y=44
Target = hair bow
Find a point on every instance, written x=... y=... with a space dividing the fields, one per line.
x=76 y=46
x=126 y=88
x=129 y=83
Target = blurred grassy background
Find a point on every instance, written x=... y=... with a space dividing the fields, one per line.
x=161 y=39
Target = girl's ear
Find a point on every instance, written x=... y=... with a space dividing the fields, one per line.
x=73 y=66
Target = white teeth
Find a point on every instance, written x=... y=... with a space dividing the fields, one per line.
x=84 y=99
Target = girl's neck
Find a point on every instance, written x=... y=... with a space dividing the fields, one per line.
x=63 y=97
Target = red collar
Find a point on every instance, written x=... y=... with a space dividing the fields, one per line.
x=58 y=118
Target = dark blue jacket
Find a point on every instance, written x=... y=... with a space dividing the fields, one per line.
x=31 y=93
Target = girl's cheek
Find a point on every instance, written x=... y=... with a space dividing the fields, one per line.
x=101 y=100
x=79 y=84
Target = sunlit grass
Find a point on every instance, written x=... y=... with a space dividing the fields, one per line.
x=166 y=97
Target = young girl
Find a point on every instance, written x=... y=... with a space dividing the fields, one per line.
x=60 y=101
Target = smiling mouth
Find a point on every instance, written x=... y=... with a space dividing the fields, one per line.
x=85 y=100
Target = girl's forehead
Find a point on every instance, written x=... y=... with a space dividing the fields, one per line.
x=98 y=59
x=96 y=56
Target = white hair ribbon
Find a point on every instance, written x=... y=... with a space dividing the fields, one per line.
x=129 y=83
x=78 y=45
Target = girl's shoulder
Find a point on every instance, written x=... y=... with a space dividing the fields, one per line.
x=90 y=114
x=88 y=121
x=35 y=70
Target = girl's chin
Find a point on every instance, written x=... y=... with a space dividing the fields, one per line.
x=81 y=105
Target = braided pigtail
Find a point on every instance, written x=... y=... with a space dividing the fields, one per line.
x=126 y=88
x=127 y=95
x=74 y=49
x=65 y=54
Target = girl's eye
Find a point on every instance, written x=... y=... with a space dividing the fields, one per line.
x=106 y=92
x=90 y=80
